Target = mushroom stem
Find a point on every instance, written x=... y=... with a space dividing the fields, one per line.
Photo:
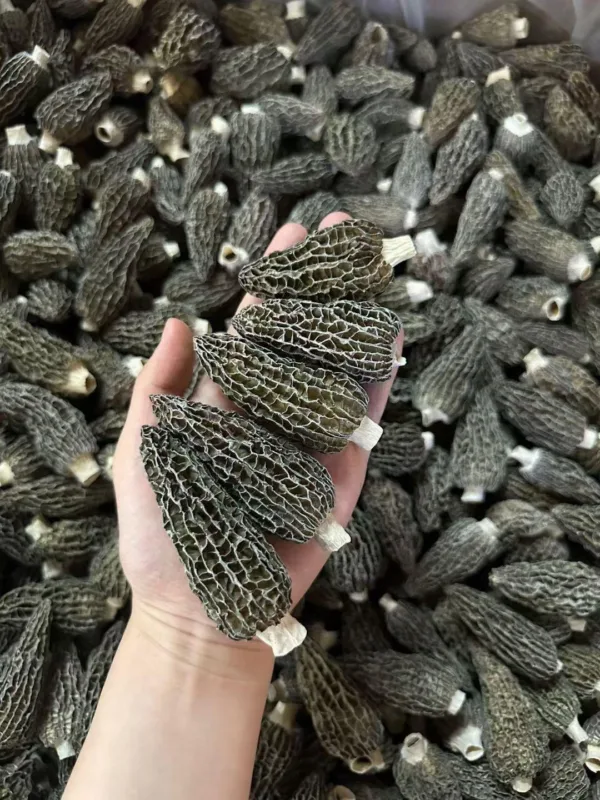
x=456 y=702
x=367 y=434
x=522 y=785
x=414 y=748
x=331 y=535
x=467 y=741
x=80 y=381
x=397 y=250
x=85 y=468
x=283 y=637
x=575 y=732
x=48 y=143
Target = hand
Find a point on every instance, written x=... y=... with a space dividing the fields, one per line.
x=163 y=604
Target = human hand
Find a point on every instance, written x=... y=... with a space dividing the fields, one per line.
x=163 y=603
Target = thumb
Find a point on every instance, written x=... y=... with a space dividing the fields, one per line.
x=169 y=371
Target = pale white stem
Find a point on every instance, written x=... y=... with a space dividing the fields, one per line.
x=172 y=250
x=418 y=291
x=107 y=132
x=17 y=135
x=488 y=528
x=175 y=151
x=594 y=184
x=388 y=603
x=331 y=535
x=232 y=258
x=522 y=785
x=284 y=715
x=52 y=569
x=295 y=9
x=535 y=360
x=37 y=528
x=527 y=458
x=142 y=82
x=200 y=327
x=416 y=117
x=64 y=157
x=432 y=415
x=576 y=732
x=473 y=494
x=251 y=108
x=384 y=185
x=520 y=28
x=140 y=175
x=297 y=75
x=467 y=742
x=157 y=163
x=396 y=250
x=590 y=438
x=359 y=597
x=286 y=51
x=554 y=308
x=80 y=381
x=367 y=434
x=577 y=624
x=221 y=189
x=283 y=637
x=41 y=57
x=502 y=74
x=414 y=748
x=368 y=763
x=595 y=244
x=133 y=364
x=108 y=468
x=518 y=125
x=411 y=218
x=277 y=691
x=64 y=750
x=220 y=126
x=88 y=326
x=85 y=468
x=428 y=440
x=496 y=174
x=428 y=243
x=456 y=702
x=592 y=758
x=48 y=143
x=579 y=268
x=7 y=476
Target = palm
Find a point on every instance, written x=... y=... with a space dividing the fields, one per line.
x=149 y=558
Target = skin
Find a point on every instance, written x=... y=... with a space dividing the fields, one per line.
x=180 y=712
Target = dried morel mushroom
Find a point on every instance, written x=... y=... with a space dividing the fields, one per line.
x=284 y=489
x=321 y=409
x=319 y=267
x=250 y=595
x=58 y=430
x=347 y=726
x=359 y=339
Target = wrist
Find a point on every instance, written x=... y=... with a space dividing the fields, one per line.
x=193 y=642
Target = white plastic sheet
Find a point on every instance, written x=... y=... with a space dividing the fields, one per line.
x=552 y=20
